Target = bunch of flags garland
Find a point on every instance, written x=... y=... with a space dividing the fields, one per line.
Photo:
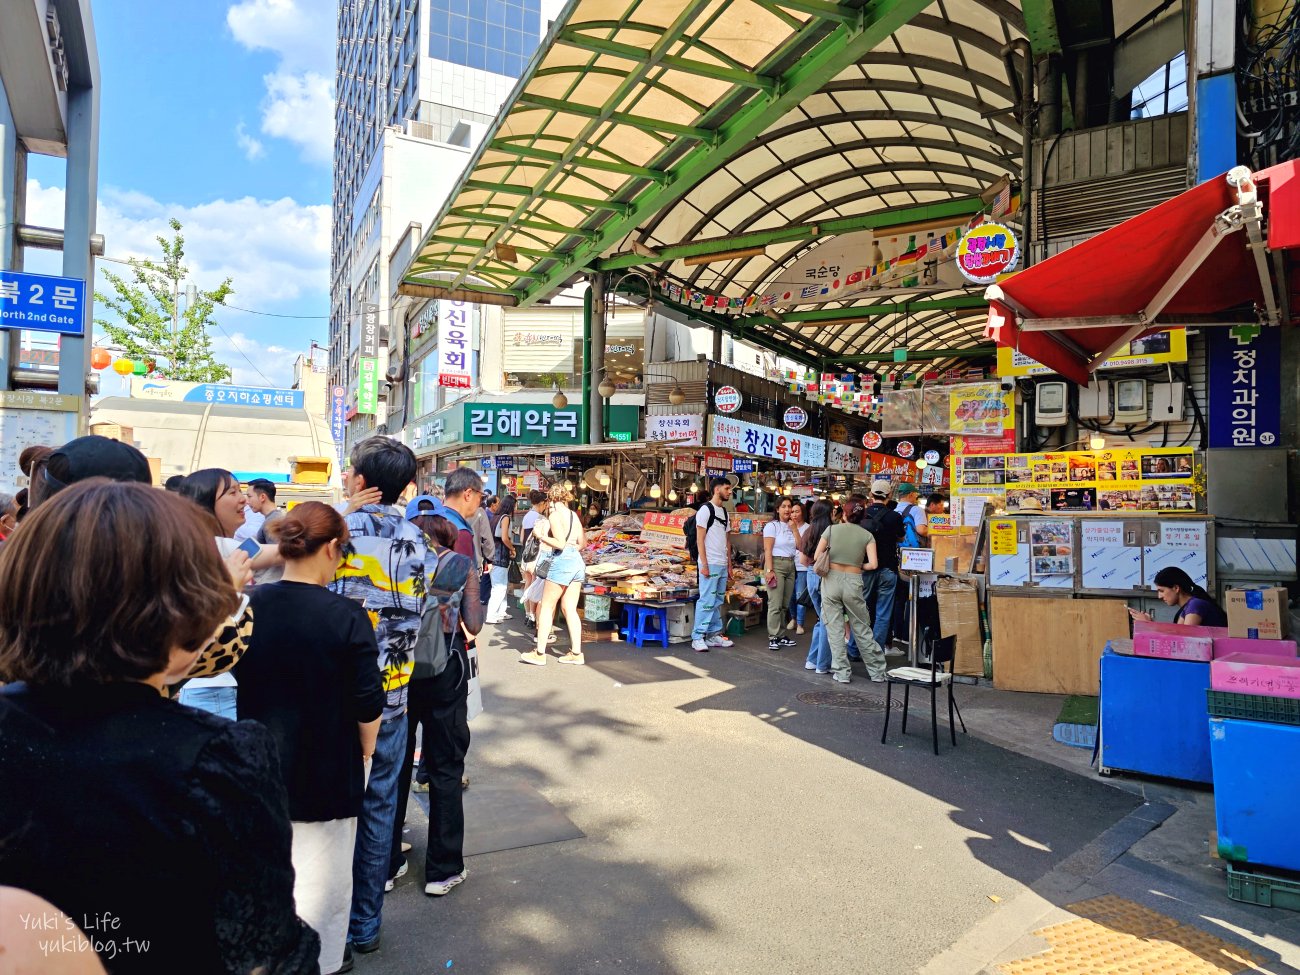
x=863 y=394
x=892 y=272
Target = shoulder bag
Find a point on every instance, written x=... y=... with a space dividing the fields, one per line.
x=822 y=563
x=544 y=562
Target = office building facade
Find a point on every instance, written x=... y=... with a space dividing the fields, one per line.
x=417 y=83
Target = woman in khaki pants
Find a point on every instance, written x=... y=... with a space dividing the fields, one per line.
x=779 y=545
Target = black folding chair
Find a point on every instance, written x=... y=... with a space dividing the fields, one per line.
x=932 y=678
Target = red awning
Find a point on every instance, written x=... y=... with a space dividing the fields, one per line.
x=1078 y=308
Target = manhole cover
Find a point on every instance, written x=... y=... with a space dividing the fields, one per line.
x=849 y=700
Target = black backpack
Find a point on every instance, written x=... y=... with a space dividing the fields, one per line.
x=692 y=543
x=874 y=522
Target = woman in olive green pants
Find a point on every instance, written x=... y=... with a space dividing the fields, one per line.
x=779 y=544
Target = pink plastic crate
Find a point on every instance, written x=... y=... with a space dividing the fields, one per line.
x=1223 y=646
x=1173 y=641
x=1256 y=673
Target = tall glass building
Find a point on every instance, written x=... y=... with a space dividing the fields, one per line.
x=408 y=73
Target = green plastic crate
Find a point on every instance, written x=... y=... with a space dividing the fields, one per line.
x=1263 y=889
x=1253 y=707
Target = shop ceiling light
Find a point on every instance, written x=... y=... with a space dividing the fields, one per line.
x=732 y=255
x=603 y=478
x=672 y=494
x=1097 y=442
x=656 y=491
x=695 y=486
x=568 y=485
x=677 y=396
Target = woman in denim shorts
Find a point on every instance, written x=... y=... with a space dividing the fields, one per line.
x=561 y=539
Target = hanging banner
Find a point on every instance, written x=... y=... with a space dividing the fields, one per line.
x=338 y=414
x=367 y=385
x=1245 y=386
x=369 y=331
x=1150 y=350
x=454 y=344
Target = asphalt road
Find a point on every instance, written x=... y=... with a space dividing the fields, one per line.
x=728 y=826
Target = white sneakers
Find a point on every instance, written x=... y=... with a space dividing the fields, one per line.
x=718 y=640
x=440 y=887
x=699 y=646
x=391 y=882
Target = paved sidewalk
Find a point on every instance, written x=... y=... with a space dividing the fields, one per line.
x=730 y=823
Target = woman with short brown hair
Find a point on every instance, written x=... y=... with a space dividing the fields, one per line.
x=109 y=592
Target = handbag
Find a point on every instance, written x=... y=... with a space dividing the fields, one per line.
x=805 y=600
x=514 y=574
x=543 y=567
x=822 y=562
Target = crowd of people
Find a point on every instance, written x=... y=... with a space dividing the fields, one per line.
x=254 y=821
x=854 y=599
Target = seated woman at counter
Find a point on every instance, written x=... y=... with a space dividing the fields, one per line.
x=1195 y=607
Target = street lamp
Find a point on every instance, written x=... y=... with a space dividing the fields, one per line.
x=559 y=400
x=676 y=396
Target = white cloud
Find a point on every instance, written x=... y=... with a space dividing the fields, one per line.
x=255 y=363
x=300 y=108
x=275 y=251
x=299 y=102
x=252 y=148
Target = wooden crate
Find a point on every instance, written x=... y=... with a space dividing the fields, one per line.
x=1052 y=645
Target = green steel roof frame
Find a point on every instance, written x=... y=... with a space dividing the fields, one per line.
x=834 y=36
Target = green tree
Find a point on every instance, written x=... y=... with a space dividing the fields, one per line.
x=149 y=322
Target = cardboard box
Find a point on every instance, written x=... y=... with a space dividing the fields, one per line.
x=1258 y=614
x=1173 y=641
x=959 y=616
x=114 y=431
x=1256 y=673
x=1223 y=646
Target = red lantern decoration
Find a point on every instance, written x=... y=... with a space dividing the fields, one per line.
x=100 y=359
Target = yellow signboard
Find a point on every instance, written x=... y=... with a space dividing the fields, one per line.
x=1151 y=350
x=1133 y=479
x=1002 y=538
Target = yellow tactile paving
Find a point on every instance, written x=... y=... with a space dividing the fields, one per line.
x=1114 y=936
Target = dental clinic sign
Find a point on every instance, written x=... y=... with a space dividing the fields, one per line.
x=42 y=303
x=986 y=251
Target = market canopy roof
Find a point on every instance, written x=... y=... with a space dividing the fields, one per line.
x=683 y=128
x=1203 y=253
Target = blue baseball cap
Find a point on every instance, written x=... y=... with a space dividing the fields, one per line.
x=413 y=507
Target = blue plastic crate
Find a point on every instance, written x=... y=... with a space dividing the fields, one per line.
x=1256 y=791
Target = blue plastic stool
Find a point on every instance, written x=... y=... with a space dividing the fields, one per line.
x=639 y=632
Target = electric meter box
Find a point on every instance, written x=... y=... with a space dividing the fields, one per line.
x=1131 y=401
x=1051 y=404
x=1094 y=400
x=1167 y=402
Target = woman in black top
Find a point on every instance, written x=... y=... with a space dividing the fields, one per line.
x=311 y=676
x=171 y=838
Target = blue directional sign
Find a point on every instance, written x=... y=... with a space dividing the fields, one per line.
x=42 y=303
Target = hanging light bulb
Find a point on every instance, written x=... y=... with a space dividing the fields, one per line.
x=922 y=464
x=1097 y=442
x=835 y=495
x=771 y=484
x=695 y=486
x=559 y=400
x=568 y=485
x=603 y=478
x=672 y=494
x=656 y=491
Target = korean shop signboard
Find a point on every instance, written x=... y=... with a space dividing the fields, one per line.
x=522 y=423
x=760 y=441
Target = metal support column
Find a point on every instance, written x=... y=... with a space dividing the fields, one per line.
x=593 y=355
x=80 y=200
x=13 y=189
x=717 y=343
x=1215 y=104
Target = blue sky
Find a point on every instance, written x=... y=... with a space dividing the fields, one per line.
x=221 y=114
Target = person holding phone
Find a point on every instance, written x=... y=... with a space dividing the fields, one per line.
x=779 y=547
x=1195 y=607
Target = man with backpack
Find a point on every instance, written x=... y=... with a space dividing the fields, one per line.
x=916 y=525
x=706 y=543
x=880 y=585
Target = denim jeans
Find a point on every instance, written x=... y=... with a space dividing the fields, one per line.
x=884 y=584
x=819 y=652
x=797 y=609
x=215 y=700
x=708 y=608
x=496 y=606
x=375 y=831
